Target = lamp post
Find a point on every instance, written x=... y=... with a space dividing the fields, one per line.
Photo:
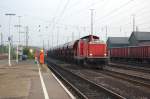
x=9 y=37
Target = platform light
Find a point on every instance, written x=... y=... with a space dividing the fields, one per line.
x=9 y=37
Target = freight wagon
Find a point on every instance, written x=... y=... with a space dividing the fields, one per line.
x=131 y=53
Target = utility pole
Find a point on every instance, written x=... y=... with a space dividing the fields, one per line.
x=52 y=38
x=48 y=44
x=27 y=36
x=133 y=22
x=137 y=28
x=106 y=33
x=17 y=54
x=1 y=39
x=78 y=29
x=57 y=35
x=9 y=37
x=1 y=50
x=120 y=29
x=72 y=36
x=53 y=27
x=19 y=27
x=43 y=44
x=91 y=21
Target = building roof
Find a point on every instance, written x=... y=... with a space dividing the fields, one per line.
x=118 y=40
x=141 y=36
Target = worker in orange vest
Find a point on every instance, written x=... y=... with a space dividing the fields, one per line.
x=41 y=57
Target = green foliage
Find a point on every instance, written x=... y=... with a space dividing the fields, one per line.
x=26 y=51
x=13 y=53
x=3 y=49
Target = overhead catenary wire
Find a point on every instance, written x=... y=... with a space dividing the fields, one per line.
x=138 y=16
x=55 y=19
x=63 y=10
x=118 y=20
x=80 y=11
x=123 y=14
x=114 y=10
x=114 y=21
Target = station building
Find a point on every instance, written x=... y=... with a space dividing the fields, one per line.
x=139 y=38
x=136 y=38
x=117 y=42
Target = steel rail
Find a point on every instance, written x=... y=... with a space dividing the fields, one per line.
x=110 y=94
x=130 y=78
x=130 y=67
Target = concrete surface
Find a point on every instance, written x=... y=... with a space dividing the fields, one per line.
x=54 y=89
x=22 y=81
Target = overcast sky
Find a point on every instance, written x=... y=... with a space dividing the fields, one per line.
x=68 y=20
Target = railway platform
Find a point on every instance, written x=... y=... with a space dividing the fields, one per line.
x=27 y=80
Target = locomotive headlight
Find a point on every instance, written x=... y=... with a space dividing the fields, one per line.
x=91 y=54
x=105 y=54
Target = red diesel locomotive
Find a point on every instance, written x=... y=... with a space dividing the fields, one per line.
x=86 y=50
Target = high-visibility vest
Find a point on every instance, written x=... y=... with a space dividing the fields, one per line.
x=41 y=57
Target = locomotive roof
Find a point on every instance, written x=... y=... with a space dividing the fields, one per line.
x=88 y=36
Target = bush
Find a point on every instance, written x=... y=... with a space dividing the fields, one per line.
x=26 y=51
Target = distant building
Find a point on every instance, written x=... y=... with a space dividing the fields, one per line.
x=139 y=38
x=117 y=42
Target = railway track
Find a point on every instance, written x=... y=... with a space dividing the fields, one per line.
x=143 y=79
x=127 y=88
x=130 y=67
x=111 y=82
x=82 y=87
x=130 y=78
